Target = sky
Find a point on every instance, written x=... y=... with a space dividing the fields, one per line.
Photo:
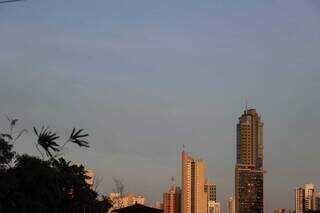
x=145 y=77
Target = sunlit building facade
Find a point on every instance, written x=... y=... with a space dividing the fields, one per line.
x=231 y=205
x=306 y=198
x=193 y=196
x=129 y=199
x=309 y=189
x=172 y=200
x=249 y=168
x=299 y=199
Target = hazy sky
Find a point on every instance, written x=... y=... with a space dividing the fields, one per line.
x=144 y=77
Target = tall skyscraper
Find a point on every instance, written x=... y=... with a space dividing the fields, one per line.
x=172 y=199
x=299 y=199
x=193 y=196
x=249 y=167
x=231 y=205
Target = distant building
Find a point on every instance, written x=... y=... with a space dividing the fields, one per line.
x=309 y=189
x=214 y=207
x=299 y=199
x=231 y=205
x=211 y=193
x=307 y=198
x=316 y=201
x=211 y=189
x=249 y=168
x=130 y=199
x=193 y=196
x=158 y=205
x=172 y=200
x=89 y=177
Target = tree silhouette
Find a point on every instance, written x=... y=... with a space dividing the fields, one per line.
x=47 y=184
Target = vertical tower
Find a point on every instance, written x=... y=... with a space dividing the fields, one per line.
x=309 y=189
x=249 y=166
x=193 y=196
x=299 y=199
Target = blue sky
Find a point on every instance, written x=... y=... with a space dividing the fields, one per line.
x=145 y=77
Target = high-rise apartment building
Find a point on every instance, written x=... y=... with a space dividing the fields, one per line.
x=307 y=198
x=316 y=201
x=299 y=199
x=249 y=168
x=193 y=196
x=211 y=189
x=231 y=205
x=172 y=200
x=309 y=189
x=211 y=192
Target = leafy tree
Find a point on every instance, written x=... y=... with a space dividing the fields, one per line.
x=47 y=184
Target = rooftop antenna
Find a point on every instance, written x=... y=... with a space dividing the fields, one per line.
x=172 y=180
x=172 y=183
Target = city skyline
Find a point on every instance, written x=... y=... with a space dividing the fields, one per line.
x=144 y=78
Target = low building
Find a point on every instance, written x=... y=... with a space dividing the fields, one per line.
x=129 y=199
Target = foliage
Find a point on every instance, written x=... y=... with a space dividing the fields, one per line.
x=44 y=185
x=47 y=141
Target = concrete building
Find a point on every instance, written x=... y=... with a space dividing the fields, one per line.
x=193 y=196
x=172 y=200
x=211 y=190
x=231 y=205
x=211 y=193
x=249 y=167
x=299 y=199
x=316 y=201
x=214 y=207
x=130 y=199
x=309 y=189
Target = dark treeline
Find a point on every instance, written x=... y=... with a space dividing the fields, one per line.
x=48 y=183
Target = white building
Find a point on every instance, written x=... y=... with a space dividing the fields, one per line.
x=126 y=200
x=214 y=207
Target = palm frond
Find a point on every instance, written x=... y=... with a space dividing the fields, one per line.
x=78 y=138
x=47 y=140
